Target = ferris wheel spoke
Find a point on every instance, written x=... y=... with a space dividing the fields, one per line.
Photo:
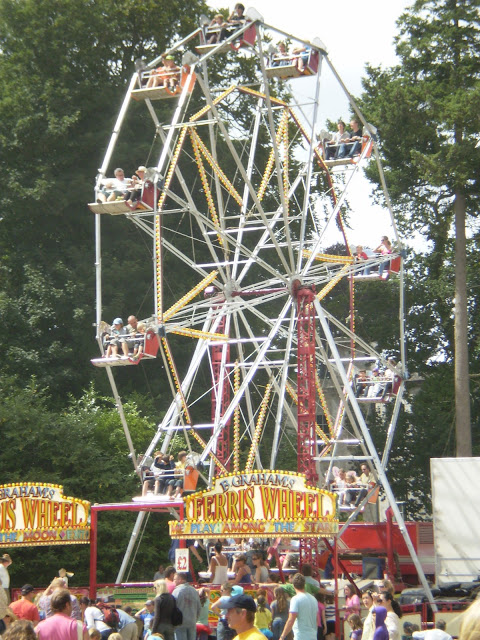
x=282 y=396
x=243 y=173
x=282 y=172
x=256 y=363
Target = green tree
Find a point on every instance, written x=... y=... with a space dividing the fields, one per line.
x=63 y=70
x=82 y=448
x=426 y=110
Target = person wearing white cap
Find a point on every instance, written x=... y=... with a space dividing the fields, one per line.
x=114 y=339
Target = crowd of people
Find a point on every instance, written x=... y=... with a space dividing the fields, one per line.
x=299 y=609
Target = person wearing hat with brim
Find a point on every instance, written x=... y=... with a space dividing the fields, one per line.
x=241 y=611
x=146 y=615
x=114 y=339
x=24 y=608
x=135 y=191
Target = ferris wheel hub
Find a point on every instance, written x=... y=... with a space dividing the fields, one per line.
x=230 y=289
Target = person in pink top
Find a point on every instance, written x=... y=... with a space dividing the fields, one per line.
x=61 y=626
x=169 y=573
x=384 y=249
x=352 y=601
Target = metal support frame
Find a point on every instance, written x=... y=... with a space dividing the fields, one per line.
x=371 y=447
x=306 y=408
x=129 y=506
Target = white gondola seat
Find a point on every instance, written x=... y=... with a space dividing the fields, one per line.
x=278 y=69
x=247 y=38
x=121 y=206
x=150 y=350
x=161 y=93
x=393 y=267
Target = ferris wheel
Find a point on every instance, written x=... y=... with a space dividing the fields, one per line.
x=241 y=208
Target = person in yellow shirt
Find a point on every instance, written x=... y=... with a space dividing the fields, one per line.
x=263 y=617
x=241 y=611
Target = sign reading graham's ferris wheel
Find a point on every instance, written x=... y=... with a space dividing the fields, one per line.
x=258 y=504
x=34 y=514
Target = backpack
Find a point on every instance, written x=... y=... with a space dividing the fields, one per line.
x=110 y=615
x=177 y=616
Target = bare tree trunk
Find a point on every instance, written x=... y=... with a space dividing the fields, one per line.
x=462 y=382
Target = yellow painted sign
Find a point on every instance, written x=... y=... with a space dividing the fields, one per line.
x=39 y=514
x=258 y=504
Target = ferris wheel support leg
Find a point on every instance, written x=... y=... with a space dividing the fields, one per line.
x=130 y=547
x=281 y=398
x=116 y=129
x=123 y=420
x=371 y=447
x=391 y=426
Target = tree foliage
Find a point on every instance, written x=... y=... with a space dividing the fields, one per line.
x=63 y=68
x=426 y=111
x=83 y=449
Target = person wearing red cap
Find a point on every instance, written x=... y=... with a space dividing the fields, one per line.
x=24 y=608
